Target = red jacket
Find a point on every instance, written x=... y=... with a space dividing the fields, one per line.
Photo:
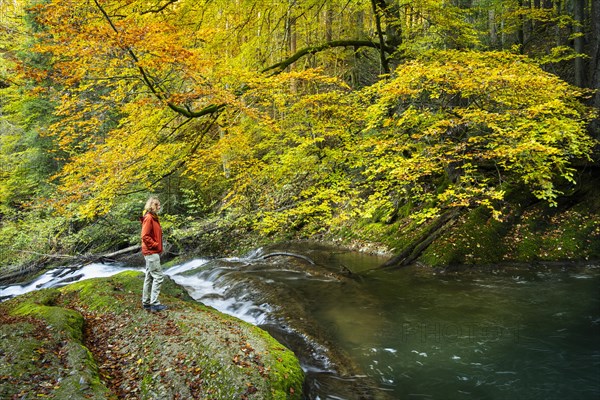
x=151 y=235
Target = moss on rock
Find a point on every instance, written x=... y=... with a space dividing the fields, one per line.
x=42 y=351
x=92 y=339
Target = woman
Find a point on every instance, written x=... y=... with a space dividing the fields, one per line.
x=152 y=247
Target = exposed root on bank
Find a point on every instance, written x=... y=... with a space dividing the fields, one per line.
x=283 y=254
x=412 y=251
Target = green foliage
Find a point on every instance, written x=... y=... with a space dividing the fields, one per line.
x=32 y=236
x=27 y=157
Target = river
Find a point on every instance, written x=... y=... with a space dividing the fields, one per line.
x=362 y=333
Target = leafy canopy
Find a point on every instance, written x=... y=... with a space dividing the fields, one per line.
x=149 y=91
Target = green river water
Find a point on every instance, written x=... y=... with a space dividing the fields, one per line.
x=523 y=334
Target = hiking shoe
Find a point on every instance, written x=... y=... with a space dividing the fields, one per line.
x=158 y=307
x=146 y=306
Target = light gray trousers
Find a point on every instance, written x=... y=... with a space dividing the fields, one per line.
x=153 y=280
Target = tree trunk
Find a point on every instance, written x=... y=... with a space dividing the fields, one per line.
x=290 y=33
x=579 y=42
x=224 y=158
x=527 y=26
x=492 y=25
x=359 y=34
x=594 y=63
x=329 y=24
x=521 y=30
x=377 y=11
x=412 y=252
x=393 y=29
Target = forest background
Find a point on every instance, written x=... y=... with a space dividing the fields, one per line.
x=445 y=132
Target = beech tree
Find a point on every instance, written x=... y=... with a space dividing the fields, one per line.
x=305 y=113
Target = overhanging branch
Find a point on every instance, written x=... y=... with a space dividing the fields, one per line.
x=161 y=95
x=154 y=86
x=213 y=108
x=159 y=8
x=183 y=160
x=280 y=66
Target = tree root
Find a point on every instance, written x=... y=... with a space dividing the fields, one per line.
x=307 y=259
x=411 y=252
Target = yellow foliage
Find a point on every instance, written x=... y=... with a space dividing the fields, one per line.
x=477 y=120
x=143 y=93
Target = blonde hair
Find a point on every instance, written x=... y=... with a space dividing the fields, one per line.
x=151 y=203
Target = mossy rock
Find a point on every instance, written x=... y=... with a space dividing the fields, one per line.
x=531 y=232
x=92 y=339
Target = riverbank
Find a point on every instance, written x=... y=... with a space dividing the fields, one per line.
x=528 y=231
x=93 y=340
